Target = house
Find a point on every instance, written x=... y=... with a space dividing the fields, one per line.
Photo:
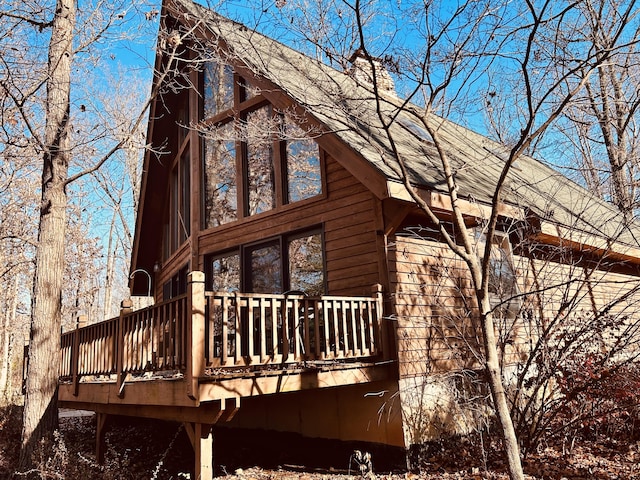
x=297 y=285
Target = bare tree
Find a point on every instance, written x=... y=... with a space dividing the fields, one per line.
x=64 y=161
x=601 y=124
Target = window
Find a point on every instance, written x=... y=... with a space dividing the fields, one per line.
x=223 y=272
x=176 y=286
x=184 y=208
x=503 y=285
x=502 y=274
x=294 y=262
x=278 y=159
x=218 y=88
x=306 y=264
x=221 y=192
x=177 y=226
x=259 y=167
x=263 y=268
x=302 y=163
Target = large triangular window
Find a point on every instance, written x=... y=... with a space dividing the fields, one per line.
x=256 y=158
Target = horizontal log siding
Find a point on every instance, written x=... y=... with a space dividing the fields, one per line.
x=348 y=215
x=435 y=306
x=432 y=305
x=597 y=299
x=350 y=235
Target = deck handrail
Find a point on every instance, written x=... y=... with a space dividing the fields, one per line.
x=201 y=332
x=150 y=339
x=260 y=329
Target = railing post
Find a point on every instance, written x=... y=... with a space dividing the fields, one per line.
x=383 y=343
x=125 y=309
x=75 y=359
x=195 y=332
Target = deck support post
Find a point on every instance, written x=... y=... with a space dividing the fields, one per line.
x=202 y=441
x=101 y=423
x=195 y=332
x=125 y=309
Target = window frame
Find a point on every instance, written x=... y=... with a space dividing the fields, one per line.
x=243 y=104
x=282 y=241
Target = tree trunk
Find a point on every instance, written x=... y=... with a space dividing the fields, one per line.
x=9 y=320
x=108 y=284
x=40 y=417
x=492 y=366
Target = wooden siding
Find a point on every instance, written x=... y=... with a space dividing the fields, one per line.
x=437 y=326
x=431 y=301
x=351 y=254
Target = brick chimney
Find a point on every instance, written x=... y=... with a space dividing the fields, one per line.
x=361 y=70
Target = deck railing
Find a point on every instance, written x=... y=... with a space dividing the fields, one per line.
x=205 y=330
x=151 y=339
x=257 y=329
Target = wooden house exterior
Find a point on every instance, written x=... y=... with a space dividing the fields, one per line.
x=297 y=286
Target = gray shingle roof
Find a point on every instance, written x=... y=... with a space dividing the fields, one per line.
x=348 y=109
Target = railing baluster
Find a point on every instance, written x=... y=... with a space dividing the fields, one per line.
x=262 y=354
x=316 y=324
x=296 y=325
x=306 y=354
x=345 y=327
x=362 y=337
x=226 y=304
x=275 y=342
x=355 y=350
x=335 y=317
x=238 y=334
x=249 y=342
x=285 y=329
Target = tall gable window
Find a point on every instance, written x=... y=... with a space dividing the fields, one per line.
x=256 y=158
x=218 y=88
x=259 y=166
x=220 y=188
x=302 y=162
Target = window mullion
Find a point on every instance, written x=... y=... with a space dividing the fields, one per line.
x=242 y=172
x=278 y=159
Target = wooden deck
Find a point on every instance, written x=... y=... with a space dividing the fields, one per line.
x=216 y=348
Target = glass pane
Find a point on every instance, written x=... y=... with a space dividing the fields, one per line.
x=502 y=277
x=174 y=213
x=502 y=274
x=306 y=265
x=225 y=273
x=221 y=201
x=248 y=91
x=303 y=163
x=184 y=222
x=218 y=88
x=260 y=174
x=264 y=263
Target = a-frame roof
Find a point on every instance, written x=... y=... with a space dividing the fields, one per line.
x=348 y=112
